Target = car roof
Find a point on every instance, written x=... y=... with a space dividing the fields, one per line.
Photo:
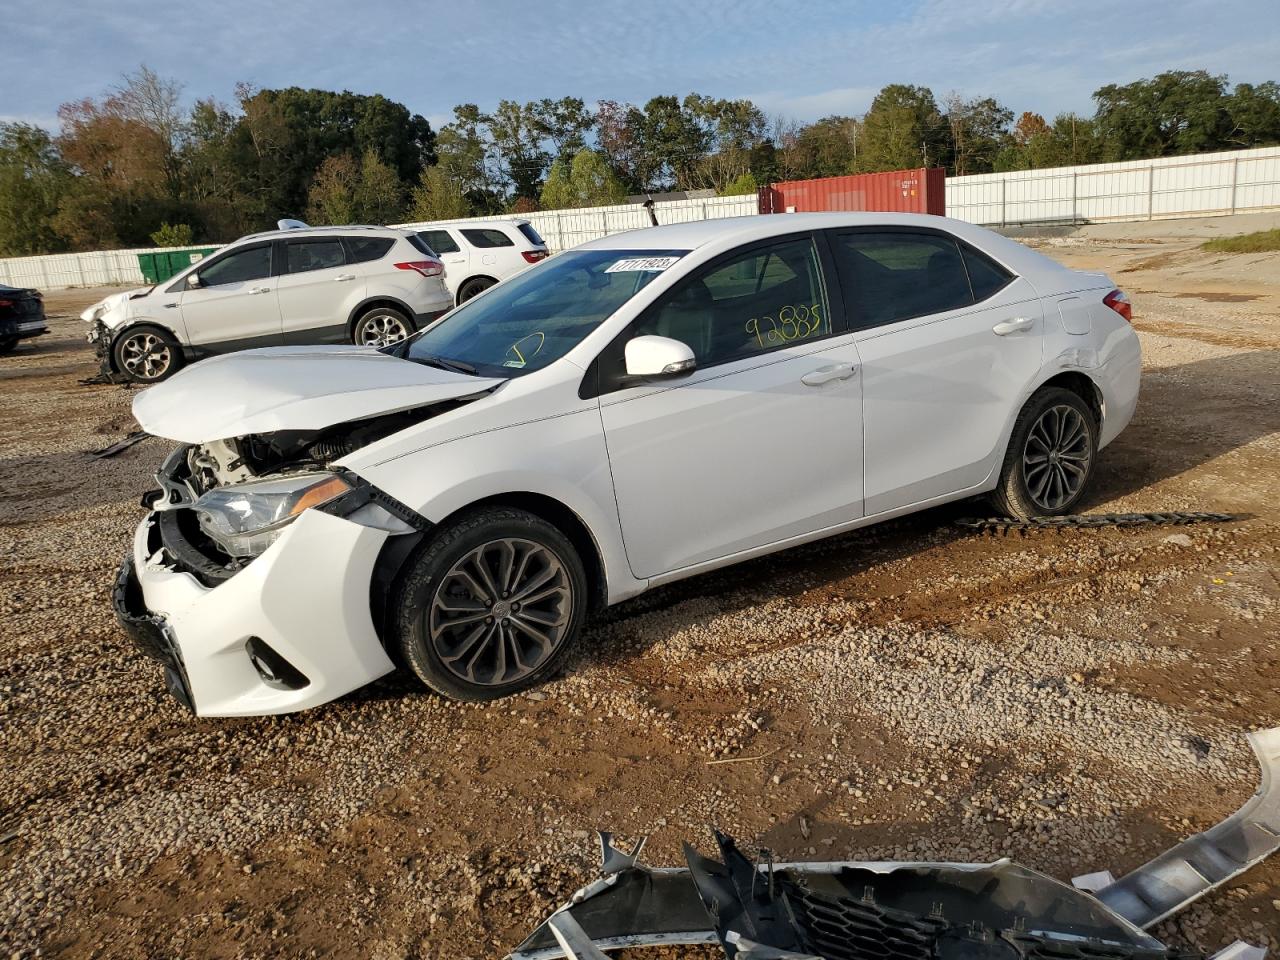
x=734 y=231
x=322 y=231
x=469 y=223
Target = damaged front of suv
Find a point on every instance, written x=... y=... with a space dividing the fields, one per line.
x=251 y=577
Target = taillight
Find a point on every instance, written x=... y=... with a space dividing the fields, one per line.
x=6 y=303
x=428 y=268
x=1118 y=302
x=533 y=256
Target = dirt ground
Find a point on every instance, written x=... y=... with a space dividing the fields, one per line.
x=1073 y=700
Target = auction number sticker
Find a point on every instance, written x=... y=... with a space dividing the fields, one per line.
x=643 y=263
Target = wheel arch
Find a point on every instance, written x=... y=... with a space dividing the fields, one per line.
x=565 y=519
x=133 y=324
x=474 y=276
x=379 y=300
x=1079 y=383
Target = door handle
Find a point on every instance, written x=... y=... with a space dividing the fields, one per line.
x=1006 y=327
x=840 y=371
x=259 y=290
x=344 y=276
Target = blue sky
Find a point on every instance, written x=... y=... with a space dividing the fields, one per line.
x=804 y=60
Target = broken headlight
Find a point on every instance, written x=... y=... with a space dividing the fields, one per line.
x=246 y=518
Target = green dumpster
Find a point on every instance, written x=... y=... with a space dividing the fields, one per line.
x=159 y=265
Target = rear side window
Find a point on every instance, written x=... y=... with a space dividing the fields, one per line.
x=305 y=255
x=365 y=249
x=439 y=241
x=531 y=234
x=985 y=276
x=896 y=276
x=487 y=238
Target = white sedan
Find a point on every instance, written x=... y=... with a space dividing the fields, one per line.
x=640 y=409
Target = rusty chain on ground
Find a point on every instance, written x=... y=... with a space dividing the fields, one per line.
x=1087 y=521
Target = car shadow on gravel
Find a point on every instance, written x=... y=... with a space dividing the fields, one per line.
x=1187 y=415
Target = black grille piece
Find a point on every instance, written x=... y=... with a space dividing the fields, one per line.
x=841 y=928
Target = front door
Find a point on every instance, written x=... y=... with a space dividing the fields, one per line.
x=235 y=305
x=763 y=442
x=948 y=341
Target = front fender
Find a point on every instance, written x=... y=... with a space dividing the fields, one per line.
x=562 y=457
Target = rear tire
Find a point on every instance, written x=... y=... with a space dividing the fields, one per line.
x=475 y=285
x=490 y=605
x=146 y=354
x=7 y=345
x=380 y=327
x=1051 y=457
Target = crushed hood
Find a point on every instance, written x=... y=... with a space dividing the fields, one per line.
x=292 y=388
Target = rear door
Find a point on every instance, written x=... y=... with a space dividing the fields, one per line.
x=315 y=284
x=235 y=307
x=493 y=253
x=455 y=255
x=948 y=340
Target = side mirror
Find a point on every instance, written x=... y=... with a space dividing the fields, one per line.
x=657 y=358
x=194 y=282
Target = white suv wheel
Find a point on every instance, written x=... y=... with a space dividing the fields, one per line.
x=380 y=327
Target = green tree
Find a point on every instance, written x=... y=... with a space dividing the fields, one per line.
x=587 y=181
x=516 y=130
x=1255 y=114
x=979 y=129
x=1176 y=112
x=743 y=186
x=825 y=148
x=903 y=129
x=33 y=183
x=173 y=235
x=332 y=197
x=379 y=194
x=438 y=196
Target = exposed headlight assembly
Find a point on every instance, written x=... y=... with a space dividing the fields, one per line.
x=246 y=518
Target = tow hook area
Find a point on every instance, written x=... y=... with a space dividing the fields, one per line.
x=849 y=910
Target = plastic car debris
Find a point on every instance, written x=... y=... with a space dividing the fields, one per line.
x=761 y=910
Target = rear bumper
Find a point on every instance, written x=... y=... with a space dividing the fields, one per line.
x=292 y=630
x=23 y=329
x=1120 y=378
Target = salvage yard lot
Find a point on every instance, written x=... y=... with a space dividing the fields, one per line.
x=1074 y=700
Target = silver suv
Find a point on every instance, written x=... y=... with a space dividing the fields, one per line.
x=296 y=285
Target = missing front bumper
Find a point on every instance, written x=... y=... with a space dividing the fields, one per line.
x=149 y=632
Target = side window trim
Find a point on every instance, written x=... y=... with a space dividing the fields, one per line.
x=831 y=235
x=596 y=384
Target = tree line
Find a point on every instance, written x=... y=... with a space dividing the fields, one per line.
x=136 y=167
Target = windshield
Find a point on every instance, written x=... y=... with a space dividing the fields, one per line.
x=539 y=315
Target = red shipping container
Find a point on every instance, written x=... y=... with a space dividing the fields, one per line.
x=899 y=191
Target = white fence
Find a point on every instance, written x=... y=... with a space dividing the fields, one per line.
x=1203 y=185
x=563 y=229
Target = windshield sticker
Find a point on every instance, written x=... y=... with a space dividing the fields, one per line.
x=643 y=263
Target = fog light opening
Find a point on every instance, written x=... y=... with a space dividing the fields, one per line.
x=274 y=669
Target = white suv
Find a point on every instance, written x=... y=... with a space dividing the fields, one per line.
x=297 y=285
x=477 y=255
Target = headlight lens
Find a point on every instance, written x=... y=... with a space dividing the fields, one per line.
x=247 y=518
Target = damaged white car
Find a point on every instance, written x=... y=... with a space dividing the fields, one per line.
x=640 y=409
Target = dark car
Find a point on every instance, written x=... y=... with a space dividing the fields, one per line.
x=21 y=316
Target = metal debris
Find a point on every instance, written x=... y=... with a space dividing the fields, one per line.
x=120 y=445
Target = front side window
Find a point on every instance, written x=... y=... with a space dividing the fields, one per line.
x=538 y=316
x=487 y=238
x=896 y=276
x=304 y=255
x=439 y=241
x=764 y=299
x=251 y=264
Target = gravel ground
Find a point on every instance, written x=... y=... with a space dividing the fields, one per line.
x=1074 y=700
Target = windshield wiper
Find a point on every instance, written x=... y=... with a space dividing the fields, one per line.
x=444 y=364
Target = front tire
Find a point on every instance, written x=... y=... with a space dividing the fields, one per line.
x=491 y=605
x=147 y=354
x=380 y=327
x=1051 y=456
